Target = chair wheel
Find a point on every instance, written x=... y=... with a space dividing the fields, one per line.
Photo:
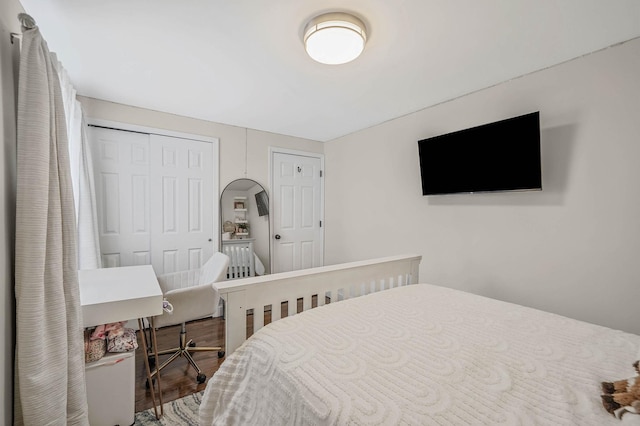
x=220 y=354
x=200 y=378
x=192 y=344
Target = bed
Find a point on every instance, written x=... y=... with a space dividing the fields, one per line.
x=420 y=354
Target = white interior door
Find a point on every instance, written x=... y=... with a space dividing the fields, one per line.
x=155 y=197
x=181 y=202
x=122 y=186
x=298 y=236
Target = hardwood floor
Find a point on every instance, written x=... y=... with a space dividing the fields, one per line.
x=178 y=379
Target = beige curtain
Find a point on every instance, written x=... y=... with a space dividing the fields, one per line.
x=49 y=365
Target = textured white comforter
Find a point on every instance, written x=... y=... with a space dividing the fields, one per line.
x=420 y=355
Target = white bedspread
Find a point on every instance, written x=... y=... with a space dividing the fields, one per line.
x=420 y=355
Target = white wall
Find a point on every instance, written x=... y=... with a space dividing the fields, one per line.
x=9 y=57
x=572 y=249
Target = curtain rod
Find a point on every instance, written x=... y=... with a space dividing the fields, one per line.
x=114 y=128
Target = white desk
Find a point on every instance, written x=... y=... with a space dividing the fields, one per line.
x=121 y=294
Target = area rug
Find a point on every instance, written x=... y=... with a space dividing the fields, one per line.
x=183 y=411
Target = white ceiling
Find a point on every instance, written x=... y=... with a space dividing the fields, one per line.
x=242 y=62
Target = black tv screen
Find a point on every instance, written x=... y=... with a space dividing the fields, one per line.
x=500 y=156
x=262 y=201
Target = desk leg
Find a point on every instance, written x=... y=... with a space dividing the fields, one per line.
x=154 y=342
x=146 y=364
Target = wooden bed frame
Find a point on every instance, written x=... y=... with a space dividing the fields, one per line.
x=336 y=282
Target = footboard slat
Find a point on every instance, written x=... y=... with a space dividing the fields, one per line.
x=322 y=298
x=258 y=318
x=330 y=283
x=292 y=306
x=276 y=311
x=307 y=302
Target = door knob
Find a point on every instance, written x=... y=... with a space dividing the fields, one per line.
x=277 y=237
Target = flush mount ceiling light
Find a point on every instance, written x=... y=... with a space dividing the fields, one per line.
x=335 y=38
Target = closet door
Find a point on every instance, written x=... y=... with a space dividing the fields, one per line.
x=155 y=197
x=181 y=201
x=122 y=188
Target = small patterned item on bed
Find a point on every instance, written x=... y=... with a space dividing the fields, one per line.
x=623 y=396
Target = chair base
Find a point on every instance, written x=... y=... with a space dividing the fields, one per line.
x=184 y=350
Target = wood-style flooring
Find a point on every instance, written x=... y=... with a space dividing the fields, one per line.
x=178 y=379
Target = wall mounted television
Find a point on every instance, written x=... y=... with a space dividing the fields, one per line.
x=262 y=201
x=499 y=156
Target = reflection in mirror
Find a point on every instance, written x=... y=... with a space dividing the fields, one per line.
x=244 y=213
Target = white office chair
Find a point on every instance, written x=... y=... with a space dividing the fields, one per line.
x=193 y=296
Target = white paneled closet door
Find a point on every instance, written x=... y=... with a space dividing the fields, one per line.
x=181 y=201
x=122 y=188
x=155 y=197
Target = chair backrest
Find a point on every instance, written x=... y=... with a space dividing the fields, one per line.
x=193 y=299
x=215 y=269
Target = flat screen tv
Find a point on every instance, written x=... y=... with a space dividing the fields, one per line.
x=262 y=201
x=500 y=156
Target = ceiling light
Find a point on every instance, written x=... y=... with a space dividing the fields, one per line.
x=335 y=38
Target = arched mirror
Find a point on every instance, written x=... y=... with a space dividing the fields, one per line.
x=244 y=214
